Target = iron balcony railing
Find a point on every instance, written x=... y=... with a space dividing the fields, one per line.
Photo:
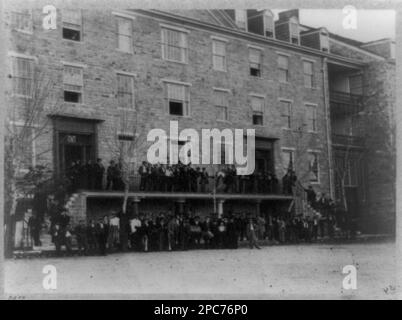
x=346 y=140
x=343 y=103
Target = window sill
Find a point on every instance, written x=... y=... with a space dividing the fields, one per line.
x=175 y=61
x=287 y=129
x=179 y=117
x=72 y=41
x=285 y=83
x=223 y=121
x=122 y=51
x=217 y=70
x=24 y=31
x=315 y=182
x=312 y=132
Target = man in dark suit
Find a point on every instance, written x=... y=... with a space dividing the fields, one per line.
x=99 y=171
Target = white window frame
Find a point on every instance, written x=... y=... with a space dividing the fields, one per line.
x=21 y=14
x=290 y=110
x=280 y=68
x=184 y=51
x=80 y=28
x=316 y=153
x=241 y=13
x=74 y=65
x=311 y=62
x=130 y=37
x=187 y=86
x=19 y=124
x=294 y=21
x=291 y=151
x=132 y=77
x=34 y=60
x=314 y=107
x=269 y=14
x=227 y=93
x=260 y=50
x=260 y=97
x=216 y=40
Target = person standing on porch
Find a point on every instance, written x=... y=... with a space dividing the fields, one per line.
x=99 y=171
x=251 y=233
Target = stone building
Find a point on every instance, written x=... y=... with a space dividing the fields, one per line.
x=309 y=94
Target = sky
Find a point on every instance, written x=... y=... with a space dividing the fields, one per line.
x=370 y=24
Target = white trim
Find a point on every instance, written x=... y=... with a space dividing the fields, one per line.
x=21 y=55
x=308 y=59
x=255 y=47
x=74 y=64
x=222 y=89
x=311 y=104
x=281 y=53
x=288 y=149
x=357 y=49
x=125 y=73
x=314 y=151
x=285 y=99
x=172 y=27
x=176 y=82
x=123 y=15
x=219 y=38
x=257 y=95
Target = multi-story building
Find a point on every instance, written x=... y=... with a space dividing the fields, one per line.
x=312 y=97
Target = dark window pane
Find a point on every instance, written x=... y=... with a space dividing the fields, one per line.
x=257 y=119
x=71 y=34
x=176 y=108
x=255 y=72
x=269 y=34
x=71 y=96
x=295 y=40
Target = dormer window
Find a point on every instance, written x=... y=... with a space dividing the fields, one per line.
x=294 y=30
x=269 y=24
x=324 y=41
x=241 y=19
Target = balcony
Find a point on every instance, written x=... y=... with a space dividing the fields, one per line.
x=344 y=103
x=345 y=140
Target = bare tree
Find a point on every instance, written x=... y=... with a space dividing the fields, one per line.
x=26 y=122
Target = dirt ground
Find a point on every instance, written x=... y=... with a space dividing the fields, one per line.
x=274 y=272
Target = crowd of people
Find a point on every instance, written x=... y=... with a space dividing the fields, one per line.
x=175 y=178
x=165 y=231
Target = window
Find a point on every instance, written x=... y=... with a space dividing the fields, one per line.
x=124 y=34
x=219 y=55
x=324 y=41
x=73 y=83
x=283 y=64
x=22 y=21
x=269 y=25
x=221 y=105
x=294 y=31
x=241 y=19
x=286 y=114
x=26 y=146
x=255 y=58
x=311 y=112
x=314 y=167
x=23 y=76
x=308 y=74
x=72 y=24
x=257 y=106
x=125 y=90
x=288 y=159
x=174 y=45
x=178 y=99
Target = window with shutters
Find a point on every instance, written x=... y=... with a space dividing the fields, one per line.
x=73 y=83
x=286 y=113
x=23 y=76
x=124 y=34
x=257 y=107
x=314 y=168
x=178 y=98
x=221 y=105
x=125 y=91
x=294 y=31
x=283 y=66
x=308 y=74
x=269 y=25
x=22 y=21
x=311 y=114
x=72 y=25
x=255 y=61
x=174 y=45
x=219 y=55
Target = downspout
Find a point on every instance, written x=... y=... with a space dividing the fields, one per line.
x=328 y=125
